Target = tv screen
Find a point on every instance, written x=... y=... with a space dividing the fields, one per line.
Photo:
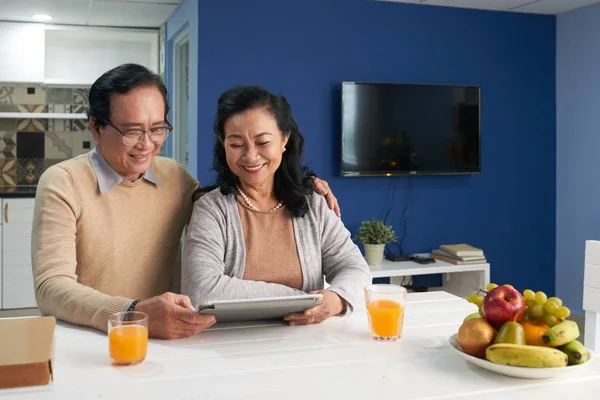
x=410 y=129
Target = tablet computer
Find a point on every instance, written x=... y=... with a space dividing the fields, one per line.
x=260 y=308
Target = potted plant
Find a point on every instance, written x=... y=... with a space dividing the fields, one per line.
x=374 y=235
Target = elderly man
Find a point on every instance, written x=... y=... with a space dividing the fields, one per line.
x=107 y=224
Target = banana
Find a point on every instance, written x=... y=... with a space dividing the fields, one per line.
x=519 y=355
x=577 y=353
x=561 y=334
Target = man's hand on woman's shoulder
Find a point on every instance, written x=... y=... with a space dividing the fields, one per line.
x=322 y=187
x=172 y=316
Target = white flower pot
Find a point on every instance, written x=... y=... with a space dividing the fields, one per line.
x=374 y=254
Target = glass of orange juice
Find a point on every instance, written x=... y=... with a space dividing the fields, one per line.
x=128 y=337
x=385 y=308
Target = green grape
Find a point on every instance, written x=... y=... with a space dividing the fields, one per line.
x=470 y=297
x=529 y=294
x=541 y=298
x=563 y=312
x=530 y=304
x=510 y=286
x=537 y=311
x=490 y=287
x=550 y=319
x=556 y=300
x=551 y=307
x=481 y=311
x=478 y=299
x=526 y=317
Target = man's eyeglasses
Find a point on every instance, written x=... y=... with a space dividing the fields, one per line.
x=131 y=137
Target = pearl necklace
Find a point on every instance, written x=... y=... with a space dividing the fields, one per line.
x=252 y=206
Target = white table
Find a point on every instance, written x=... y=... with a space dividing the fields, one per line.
x=459 y=280
x=333 y=360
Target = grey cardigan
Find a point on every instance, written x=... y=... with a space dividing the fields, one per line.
x=215 y=254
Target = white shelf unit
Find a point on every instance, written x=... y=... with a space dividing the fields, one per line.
x=459 y=280
x=20 y=115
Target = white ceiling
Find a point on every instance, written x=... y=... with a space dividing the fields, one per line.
x=526 y=6
x=152 y=13
x=131 y=13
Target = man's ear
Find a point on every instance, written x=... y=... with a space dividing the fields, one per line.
x=95 y=128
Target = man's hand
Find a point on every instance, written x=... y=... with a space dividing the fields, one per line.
x=172 y=316
x=330 y=305
x=322 y=187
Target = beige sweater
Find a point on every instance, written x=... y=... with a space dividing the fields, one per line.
x=93 y=254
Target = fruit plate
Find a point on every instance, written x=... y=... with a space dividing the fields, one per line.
x=516 y=372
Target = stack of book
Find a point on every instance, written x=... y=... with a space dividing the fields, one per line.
x=459 y=254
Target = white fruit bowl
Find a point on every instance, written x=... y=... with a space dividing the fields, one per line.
x=516 y=372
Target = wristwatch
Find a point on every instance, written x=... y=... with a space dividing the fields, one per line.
x=132 y=305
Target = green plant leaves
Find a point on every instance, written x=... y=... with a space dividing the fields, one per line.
x=375 y=232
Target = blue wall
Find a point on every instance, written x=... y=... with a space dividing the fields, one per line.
x=304 y=49
x=578 y=146
x=185 y=16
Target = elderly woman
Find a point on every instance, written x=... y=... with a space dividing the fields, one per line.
x=263 y=232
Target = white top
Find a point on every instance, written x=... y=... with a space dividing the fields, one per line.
x=333 y=360
x=410 y=268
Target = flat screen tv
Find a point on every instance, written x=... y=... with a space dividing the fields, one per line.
x=410 y=129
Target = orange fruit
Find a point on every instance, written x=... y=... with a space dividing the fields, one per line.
x=534 y=330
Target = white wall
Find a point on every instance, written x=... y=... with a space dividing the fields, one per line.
x=577 y=146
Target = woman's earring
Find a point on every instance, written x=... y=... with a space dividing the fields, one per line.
x=284 y=148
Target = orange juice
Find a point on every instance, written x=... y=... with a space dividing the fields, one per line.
x=128 y=343
x=386 y=317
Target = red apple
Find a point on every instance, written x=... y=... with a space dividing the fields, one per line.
x=503 y=304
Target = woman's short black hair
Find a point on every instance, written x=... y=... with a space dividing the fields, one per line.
x=292 y=179
x=121 y=80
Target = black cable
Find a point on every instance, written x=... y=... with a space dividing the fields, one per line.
x=391 y=202
x=411 y=184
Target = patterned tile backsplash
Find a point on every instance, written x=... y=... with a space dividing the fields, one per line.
x=8 y=144
x=29 y=171
x=28 y=146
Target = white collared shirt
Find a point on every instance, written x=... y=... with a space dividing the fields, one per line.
x=108 y=178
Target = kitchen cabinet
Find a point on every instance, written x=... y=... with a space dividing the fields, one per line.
x=71 y=56
x=21 y=52
x=77 y=56
x=0 y=265
x=17 y=277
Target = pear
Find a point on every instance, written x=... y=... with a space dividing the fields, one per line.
x=511 y=332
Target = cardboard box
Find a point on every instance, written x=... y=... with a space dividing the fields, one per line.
x=26 y=350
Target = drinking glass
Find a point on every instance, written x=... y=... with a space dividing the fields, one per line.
x=128 y=337
x=385 y=308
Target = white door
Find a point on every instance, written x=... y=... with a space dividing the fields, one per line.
x=17 y=275
x=181 y=85
x=181 y=68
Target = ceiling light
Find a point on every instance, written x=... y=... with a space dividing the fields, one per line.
x=42 y=17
